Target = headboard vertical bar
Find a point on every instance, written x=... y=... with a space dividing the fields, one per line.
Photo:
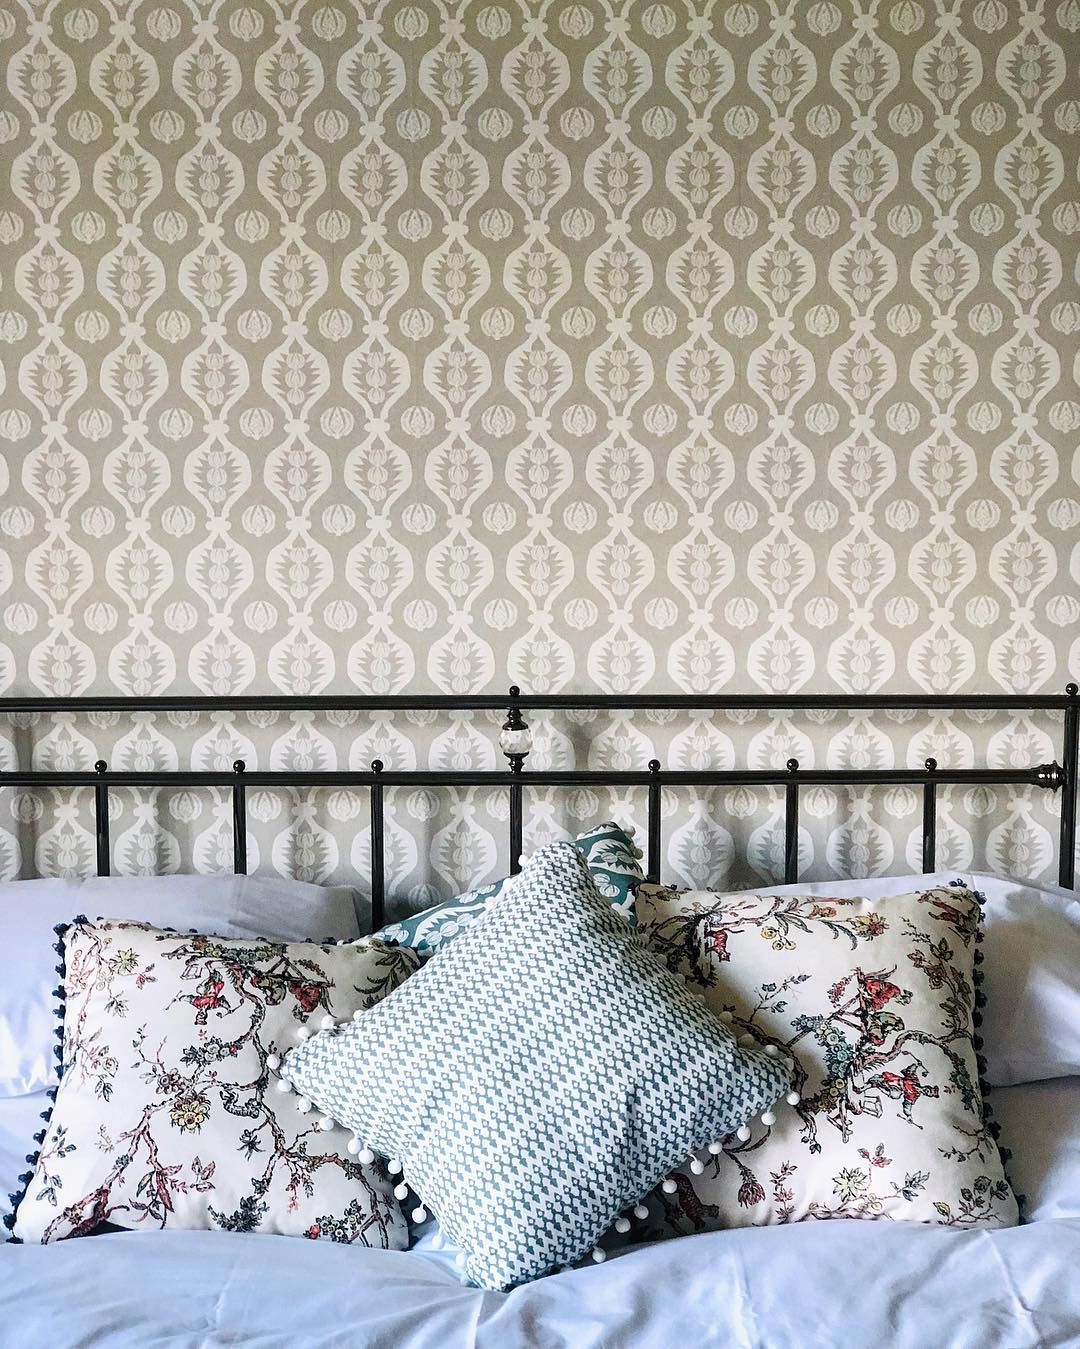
x=791 y=826
x=516 y=844
x=239 y=822
x=378 y=873
x=515 y=741
x=1071 y=763
x=929 y=822
x=654 y=821
x=101 y=820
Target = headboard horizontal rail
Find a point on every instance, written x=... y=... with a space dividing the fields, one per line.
x=496 y=702
x=1050 y=775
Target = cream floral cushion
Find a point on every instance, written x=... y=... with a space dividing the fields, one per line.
x=166 y=1113
x=876 y=1002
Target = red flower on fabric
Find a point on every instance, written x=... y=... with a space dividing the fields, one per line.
x=314 y=1232
x=878 y=992
x=750 y=1192
x=307 y=995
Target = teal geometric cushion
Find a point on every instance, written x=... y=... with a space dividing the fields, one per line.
x=536 y=1078
x=613 y=860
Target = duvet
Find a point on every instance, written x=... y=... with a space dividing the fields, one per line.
x=831 y=1283
x=812 y=1284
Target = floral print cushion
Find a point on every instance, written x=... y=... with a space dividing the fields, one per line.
x=877 y=1003
x=610 y=852
x=166 y=1114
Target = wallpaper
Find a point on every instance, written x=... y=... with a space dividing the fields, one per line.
x=584 y=344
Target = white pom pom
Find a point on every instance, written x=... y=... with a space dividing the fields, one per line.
x=725 y=1017
x=622 y=1224
x=697 y=1166
x=303 y=1104
x=523 y=859
x=401 y=1191
x=641 y=1211
x=303 y=1033
x=716 y=1148
x=358 y=1014
x=437 y=1242
x=772 y=1051
x=283 y=1085
x=747 y=1040
x=354 y=1145
x=637 y=852
x=365 y=1156
x=599 y=1255
x=461 y=1259
x=793 y=1098
x=742 y=1133
x=394 y=1166
x=768 y=1118
x=629 y=830
x=419 y=1214
x=669 y=1186
x=273 y=1062
x=327 y=1122
x=328 y=1023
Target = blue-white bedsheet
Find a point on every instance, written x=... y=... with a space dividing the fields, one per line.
x=836 y=1283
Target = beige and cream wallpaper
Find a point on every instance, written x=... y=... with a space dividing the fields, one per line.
x=586 y=344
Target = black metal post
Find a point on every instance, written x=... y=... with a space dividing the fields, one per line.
x=791 y=826
x=239 y=821
x=654 y=821
x=378 y=875
x=101 y=819
x=929 y=821
x=514 y=733
x=1071 y=765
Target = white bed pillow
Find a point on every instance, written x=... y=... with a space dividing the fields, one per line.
x=228 y=906
x=1031 y=975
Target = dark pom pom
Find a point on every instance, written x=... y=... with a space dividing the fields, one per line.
x=59 y=969
x=39 y=1137
x=9 y=1218
x=31 y=1159
x=1006 y=1155
x=995 y=1129
x=976 y=1018
x=51 y=1093
x=978 y=957
x=980 y=998
x=977 y=1041
x=61 y=928
x=46 y=1115
x=26 y=1178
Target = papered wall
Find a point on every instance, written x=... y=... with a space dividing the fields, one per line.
x=589 y=345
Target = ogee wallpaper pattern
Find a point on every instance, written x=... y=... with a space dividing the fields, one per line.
x=581 y=343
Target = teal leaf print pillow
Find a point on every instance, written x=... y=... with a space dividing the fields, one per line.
x=612 y=857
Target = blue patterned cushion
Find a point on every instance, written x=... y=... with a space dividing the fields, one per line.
x=537 y=1077
x=613 y=860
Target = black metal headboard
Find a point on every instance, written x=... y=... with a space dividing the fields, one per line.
x=515 y=743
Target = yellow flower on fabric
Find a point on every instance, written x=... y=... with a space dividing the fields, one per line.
x=190 y=1113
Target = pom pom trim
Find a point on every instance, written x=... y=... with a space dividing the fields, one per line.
x=60 y=1000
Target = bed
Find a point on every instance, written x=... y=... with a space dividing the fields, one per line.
x=835 y=1282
